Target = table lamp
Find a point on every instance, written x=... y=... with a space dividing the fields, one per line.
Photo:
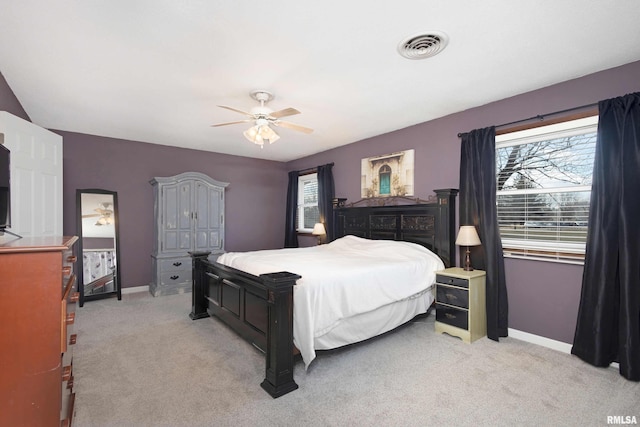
x=467 y=236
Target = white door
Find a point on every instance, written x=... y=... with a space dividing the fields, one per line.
x=36 y=177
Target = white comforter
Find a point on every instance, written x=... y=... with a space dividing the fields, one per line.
x=346 y=277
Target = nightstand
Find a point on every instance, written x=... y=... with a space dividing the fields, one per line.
x=460 y=303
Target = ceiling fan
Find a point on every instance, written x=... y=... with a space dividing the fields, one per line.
x=104 y=214
x=263 y=117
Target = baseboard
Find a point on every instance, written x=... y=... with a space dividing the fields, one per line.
x=135 y=289
x=547 y=342
x=537 y=339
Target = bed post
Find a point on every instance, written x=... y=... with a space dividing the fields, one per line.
x=279 y=367
x=446 y=235
x=198 y=300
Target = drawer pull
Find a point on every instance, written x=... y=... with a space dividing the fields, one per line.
x=66 y=373
x=75 y=297
x=66 y=270
x=451 y=296
x=70 y=383
x=72 y=258
x=71 y=317
x=449 y=316
x=174 y=277
x=177 y=263
x=73 y=339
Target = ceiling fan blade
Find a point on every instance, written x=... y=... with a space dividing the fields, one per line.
x=236 y=110
x=232 y=123
x=284 y=113
x=289 y=125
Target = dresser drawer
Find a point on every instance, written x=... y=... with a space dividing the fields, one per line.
x=453 y=281
x=68 y=312
x=452 y=296
x=452 y=316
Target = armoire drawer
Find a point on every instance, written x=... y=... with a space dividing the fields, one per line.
x=175 y=277
x=175 y=264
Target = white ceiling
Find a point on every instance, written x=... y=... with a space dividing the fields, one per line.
x=155 y=70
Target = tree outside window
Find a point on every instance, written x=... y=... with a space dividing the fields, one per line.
x=543 y=179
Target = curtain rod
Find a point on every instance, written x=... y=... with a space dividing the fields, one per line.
x=541 y=116
x=313 y=169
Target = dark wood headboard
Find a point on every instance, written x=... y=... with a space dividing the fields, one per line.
x=430 y=224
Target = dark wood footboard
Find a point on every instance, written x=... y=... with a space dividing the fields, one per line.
x=258 y=308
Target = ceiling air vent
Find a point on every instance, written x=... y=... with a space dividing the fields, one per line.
x=423 y=45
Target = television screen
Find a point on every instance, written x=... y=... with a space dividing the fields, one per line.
x=5 y=196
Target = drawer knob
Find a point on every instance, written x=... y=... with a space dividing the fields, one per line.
x=174 y=277
x=177 y=263
x=73 y=339
x=72 y=258
x=66 y=270
x=66 y=373
x=71 y=317
x=70 y=383
x=75 y=297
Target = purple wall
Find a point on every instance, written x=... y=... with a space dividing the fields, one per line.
x=543 y=296
x=9 y=102
x=255 y=197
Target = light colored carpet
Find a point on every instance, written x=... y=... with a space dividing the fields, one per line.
x=142 y=362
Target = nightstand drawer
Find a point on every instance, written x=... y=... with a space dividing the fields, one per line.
x=454 y=281
x=452 y=296
x=452 y=316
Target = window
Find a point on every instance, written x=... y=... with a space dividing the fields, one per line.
x=308 y=213
x=543 y=178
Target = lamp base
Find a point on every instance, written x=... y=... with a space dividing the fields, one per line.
x=467 y=260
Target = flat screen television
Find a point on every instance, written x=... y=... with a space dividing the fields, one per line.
x=5 y=189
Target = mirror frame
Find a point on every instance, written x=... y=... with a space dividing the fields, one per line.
x=80 y=280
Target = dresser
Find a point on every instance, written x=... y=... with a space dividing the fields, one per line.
x=188 y=216
x=37 y=316
x=460 y=303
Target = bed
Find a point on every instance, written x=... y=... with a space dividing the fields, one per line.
x=254 y=293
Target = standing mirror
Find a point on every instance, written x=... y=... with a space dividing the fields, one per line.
x=97 y=219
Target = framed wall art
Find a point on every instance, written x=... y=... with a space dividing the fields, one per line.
x=388 y=175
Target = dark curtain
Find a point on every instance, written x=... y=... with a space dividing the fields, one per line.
x=608 y=325
x=326 y=193
x=290 y=233
x=478 y=207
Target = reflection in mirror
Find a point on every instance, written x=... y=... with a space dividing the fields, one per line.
x=97 y=218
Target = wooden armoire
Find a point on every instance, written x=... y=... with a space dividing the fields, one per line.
x=188 y=216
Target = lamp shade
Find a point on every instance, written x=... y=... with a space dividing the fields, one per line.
x=468 y=236
x=318 y=229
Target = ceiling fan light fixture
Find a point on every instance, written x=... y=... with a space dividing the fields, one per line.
x=261 y=133
x=263 y=117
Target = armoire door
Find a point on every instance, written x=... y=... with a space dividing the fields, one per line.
x=176 y=220
x=208 y=217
